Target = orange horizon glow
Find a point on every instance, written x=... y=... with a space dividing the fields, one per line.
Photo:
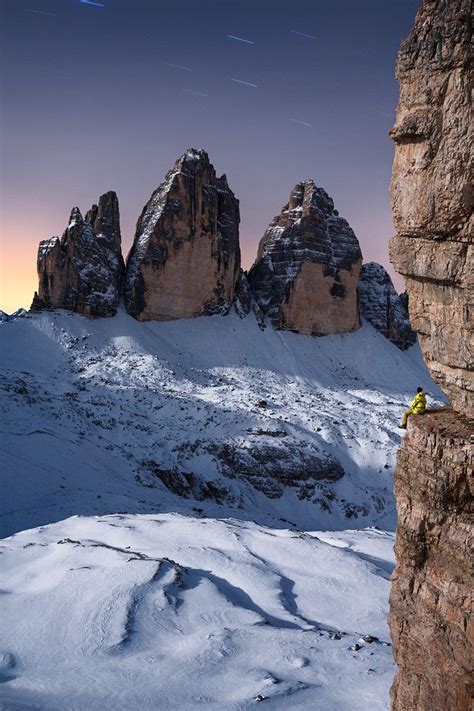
x=118 y=116
x=19 y=280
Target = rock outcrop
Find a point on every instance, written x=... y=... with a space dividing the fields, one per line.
x=432 y=192
x=431 y=598
x=19 y=313
x=382 y=307
x=307 y=268
x=243 y=296
x=83 y=270
x=431 y=618
x=185 y=259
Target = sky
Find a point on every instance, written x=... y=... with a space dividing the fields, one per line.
x=99 y=96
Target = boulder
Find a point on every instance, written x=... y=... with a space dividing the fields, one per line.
x=185 y=258
x=307 y=268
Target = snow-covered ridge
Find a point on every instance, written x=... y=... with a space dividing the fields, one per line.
x=19 y=313
x=117 y=415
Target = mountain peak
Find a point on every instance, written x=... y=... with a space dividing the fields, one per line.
x=307 y=268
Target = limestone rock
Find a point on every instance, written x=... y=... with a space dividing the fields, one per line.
x=432 y=193
x=430 y=617
x=307 y=268
x=431 y=598
x=272 y=466
x=185 y=259
x=243 y=296
x=83 y=270
x=382 y=307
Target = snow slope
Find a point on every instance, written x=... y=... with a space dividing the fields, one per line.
x=173 y=612
x=246 y=588
x=97 y=414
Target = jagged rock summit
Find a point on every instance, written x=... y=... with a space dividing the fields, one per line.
x=382 y=307
x=83 y=270
x=307 y=268
x=185 y=261
x=185 y=258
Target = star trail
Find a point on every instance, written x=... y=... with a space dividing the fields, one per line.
x=105 y=95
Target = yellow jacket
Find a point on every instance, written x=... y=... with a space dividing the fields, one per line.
x=418 y=404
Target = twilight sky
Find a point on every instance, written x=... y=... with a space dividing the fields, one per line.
x=91 y=101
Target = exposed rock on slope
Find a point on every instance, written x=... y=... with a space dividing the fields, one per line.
x=431 y=599
x=208 y=407
x=432 y=192
x=19 y=313
x=307 y=268
x=83 y=270
x=185 y=259
x=243 y=296
x=381 y=306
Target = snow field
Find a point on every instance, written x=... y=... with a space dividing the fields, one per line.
x=168 y=611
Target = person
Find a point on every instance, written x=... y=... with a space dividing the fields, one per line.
x=417 y=407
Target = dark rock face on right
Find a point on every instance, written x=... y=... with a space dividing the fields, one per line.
x=185 y=258
x=431 y=602
x=430 y=619
x=432 y=192
x=307 y=268
x=382 y=307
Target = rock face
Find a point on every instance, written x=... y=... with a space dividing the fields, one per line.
x=431 y=597
x=271 y=467
x=83 y=270
x=243 y=296
x=307 y=268
x=432 y=192
x=381 y=306
x=185 y=259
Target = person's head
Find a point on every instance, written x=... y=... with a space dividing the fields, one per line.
x=419 y=390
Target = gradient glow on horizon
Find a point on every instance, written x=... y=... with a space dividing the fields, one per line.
x=106 y=98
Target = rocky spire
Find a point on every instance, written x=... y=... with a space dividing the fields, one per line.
x=105 y=219
x=185 y=258
x=83 y=270
x=382 y=307
x=307 y=268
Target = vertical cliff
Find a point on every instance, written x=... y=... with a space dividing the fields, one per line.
x=185 y=258
x=431 y=598
x=307 y=268
x=432 y=191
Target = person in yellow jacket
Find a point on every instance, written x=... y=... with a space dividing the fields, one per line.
x=417 y=407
